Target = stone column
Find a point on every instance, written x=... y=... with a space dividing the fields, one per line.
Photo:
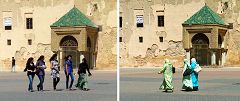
x=60 y=59
x=223 y=58
x=213 y=58
x=188 y=55
x=94 y=60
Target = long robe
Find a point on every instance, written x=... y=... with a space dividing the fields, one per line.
x=187 y=80
x=167 y=73
x=194 y=75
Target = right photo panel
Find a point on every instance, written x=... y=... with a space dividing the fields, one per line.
x=179 y=50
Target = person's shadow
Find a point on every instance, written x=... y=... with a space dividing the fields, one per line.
x=168 y=91
x=184 y=90
x=59 y=89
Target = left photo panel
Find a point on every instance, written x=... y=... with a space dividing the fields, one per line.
x=58 y=50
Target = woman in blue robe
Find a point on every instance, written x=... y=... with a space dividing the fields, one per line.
x=194 y=75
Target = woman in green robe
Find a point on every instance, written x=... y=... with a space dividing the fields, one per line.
x=187 y=80
x=167 y=74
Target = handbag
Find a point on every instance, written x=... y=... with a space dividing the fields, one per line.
x=173 y=70
x=198 y=69
x=187 y=72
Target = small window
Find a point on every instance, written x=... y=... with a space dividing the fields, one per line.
x=8 y=27
x=161 y=39
x=29 y=23
x=141 y=39
x=120 y=22
x=9 y=42
x=29 y=41
x=8 y=23
x=120 y=39
x=160 y=21
x=139 y=20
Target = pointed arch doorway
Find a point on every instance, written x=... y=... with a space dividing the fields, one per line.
x=68 y=46
x=200 y=49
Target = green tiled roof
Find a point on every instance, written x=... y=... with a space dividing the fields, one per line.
x=205 y=16
x=74 y=18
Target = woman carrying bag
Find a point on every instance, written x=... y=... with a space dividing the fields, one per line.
x=40 y=72
x=194 y=75
x=168 y=75
x=187 y=80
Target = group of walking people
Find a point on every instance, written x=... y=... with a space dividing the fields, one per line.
x=39 y=70
x=190 y=75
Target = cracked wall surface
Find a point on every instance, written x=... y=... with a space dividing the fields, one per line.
x=152 y=52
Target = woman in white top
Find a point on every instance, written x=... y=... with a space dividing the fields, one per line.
x=54 y=70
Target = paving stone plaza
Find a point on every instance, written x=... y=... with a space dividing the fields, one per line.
x=13 y=87
x=139 y=84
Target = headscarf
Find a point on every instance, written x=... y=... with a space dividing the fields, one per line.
x=81 y=57
x=185 y=61
x=167 y=61
x=193 y=63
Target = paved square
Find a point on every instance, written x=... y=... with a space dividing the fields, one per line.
x=13 y=87
x=142 y=84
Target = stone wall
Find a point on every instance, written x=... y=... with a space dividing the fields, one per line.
x=104 y=14
x=152 y=52
x=155 y=56
x=45 y=13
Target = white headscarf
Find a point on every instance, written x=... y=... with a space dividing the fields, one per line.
x=81 y=57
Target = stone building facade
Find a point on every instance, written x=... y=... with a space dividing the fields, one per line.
x=152 y=30
x=25 y=30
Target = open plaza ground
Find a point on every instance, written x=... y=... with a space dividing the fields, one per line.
x=102 y=84
x=215 y=84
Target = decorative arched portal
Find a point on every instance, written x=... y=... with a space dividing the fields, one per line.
x=203 y=37
x=69 y=36
x=68 y=45
x=200 y=49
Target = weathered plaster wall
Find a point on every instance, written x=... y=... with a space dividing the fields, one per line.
x=230 y=11
x=44 y=13
x=175 y=13
x=103 y=13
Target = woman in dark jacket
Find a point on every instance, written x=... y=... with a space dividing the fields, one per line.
x=30 y=68
x=83 y=68
x=40 y=72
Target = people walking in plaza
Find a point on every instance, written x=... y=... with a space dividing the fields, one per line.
x=187 y=80
x=168 y=75
x=30 y=68
x=82 y=79
x=194 y=75
x=54 y=70
x=68 y=69
x=13 y=65
x=40 y=72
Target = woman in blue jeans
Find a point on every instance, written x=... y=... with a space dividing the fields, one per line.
x=68 y=69
x=30 y=68
x=40 y=72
